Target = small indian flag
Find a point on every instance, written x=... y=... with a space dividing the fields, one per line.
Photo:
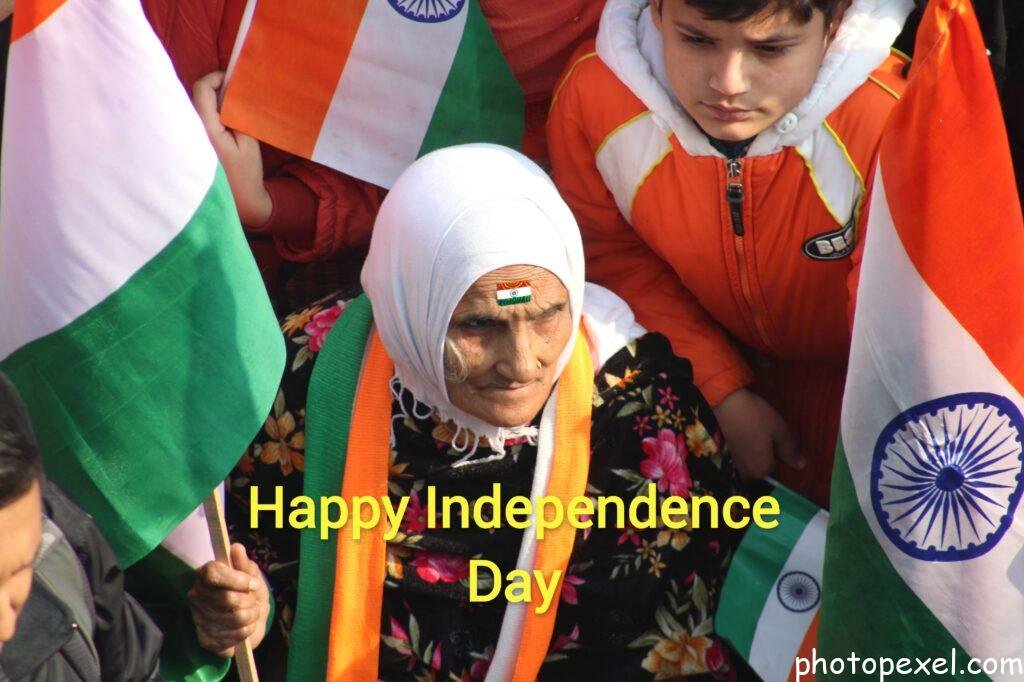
x=769 y=605
x=368 y=86
x=510 y=293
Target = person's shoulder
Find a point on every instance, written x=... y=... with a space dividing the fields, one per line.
x=858 y=122
x=865 y=111
x=79 y=530
x=66 y=514
x=588 y=87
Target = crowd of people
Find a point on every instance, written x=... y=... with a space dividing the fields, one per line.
x=686 y=217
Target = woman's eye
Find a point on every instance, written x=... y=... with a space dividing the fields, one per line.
x=477 y=324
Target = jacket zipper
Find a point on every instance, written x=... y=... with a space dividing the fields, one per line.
x=734 y=196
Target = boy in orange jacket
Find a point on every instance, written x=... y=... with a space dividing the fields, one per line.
x=717 y=156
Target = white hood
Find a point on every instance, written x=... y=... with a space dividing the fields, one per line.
x=631 y=46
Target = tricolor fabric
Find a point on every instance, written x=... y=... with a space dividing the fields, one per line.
x=367 y=86
x=772 y=594
x=511 y=293
x=135 y=323
x=925 y=540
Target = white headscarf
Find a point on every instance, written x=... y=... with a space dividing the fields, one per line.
x=451 y=217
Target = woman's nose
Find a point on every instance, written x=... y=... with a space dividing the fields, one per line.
x=519 y=362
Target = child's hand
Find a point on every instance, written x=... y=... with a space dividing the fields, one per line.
x=229 y=605
x=238 y=153
x=756 y=434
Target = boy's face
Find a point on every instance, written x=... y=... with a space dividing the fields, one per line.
x=737 y=78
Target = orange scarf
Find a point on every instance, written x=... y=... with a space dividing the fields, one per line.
x=354 y=647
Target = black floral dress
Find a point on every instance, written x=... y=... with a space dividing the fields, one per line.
x=635 y=604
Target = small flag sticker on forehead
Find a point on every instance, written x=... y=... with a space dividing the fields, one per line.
x=510 y=293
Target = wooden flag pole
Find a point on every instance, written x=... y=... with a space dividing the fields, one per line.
x=236 y=49
x=214 y=508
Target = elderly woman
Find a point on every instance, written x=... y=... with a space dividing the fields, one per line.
x=478 y=356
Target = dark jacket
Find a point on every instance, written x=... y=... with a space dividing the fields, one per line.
x=78 y=622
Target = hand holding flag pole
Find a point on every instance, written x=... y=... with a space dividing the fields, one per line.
x=214 y=508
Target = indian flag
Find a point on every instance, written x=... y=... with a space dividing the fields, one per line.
x=509 y=293
x=769 y=605
x=368 y=86
x=925 y=551
x=135 y=323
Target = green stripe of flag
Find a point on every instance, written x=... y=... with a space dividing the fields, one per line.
x=756 y=567
x=866 y=608
x=192 y=327
x=332 y=391
x=481 y=100
x=512 y=301
x=160 y=581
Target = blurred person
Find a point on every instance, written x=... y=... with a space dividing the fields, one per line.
x=64 y=614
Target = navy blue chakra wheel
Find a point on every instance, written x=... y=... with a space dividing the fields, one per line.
x=428 y=11
x=946 y=476
x=798 y=591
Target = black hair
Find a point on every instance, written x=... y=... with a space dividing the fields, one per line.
x=20 y=463
x=741 y=10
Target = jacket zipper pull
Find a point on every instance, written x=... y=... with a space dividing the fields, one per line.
x=734 y=194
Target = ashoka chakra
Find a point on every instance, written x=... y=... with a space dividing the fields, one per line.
x=798 y=591
x=946 y=476
x=428 y=11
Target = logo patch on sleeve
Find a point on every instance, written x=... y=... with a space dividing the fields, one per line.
x=832 y=245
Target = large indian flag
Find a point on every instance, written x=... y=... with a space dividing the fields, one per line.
x=925 y=550
x=135 y=323
x=368 y=86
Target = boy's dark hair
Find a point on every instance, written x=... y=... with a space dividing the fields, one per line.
x=20 y=463
x=741 y=10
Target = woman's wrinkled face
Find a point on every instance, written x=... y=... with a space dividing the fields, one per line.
x=509 y=351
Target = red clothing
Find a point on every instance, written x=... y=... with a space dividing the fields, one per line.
x=537 y=37
x=318 y=212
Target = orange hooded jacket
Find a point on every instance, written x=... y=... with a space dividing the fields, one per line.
x=748 y=266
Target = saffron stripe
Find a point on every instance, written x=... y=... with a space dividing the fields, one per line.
x=806 y=649
x=513 y=285
x=940 y=237
x=297 y=51
x=32 y=13
x=358 y=593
